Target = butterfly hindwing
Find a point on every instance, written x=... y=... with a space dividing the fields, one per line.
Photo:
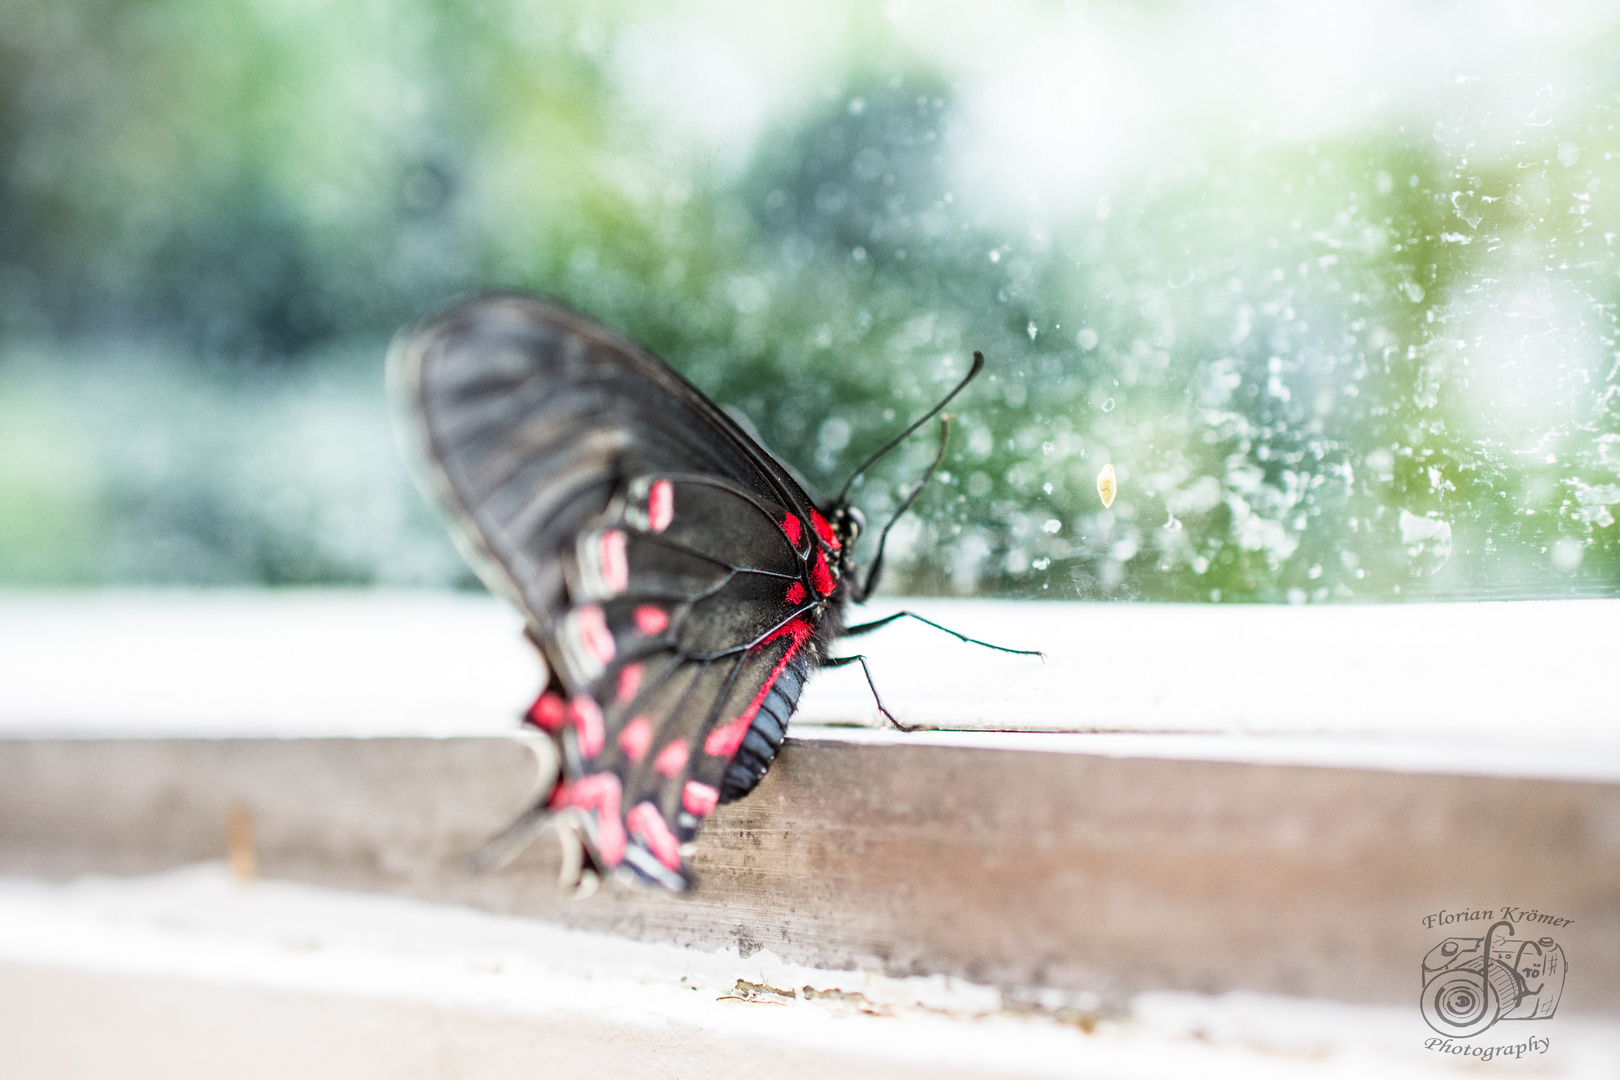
x=669 y=691
x=674 y=575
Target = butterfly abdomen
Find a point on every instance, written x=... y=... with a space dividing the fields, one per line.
x=767 y=732
x=781 y=699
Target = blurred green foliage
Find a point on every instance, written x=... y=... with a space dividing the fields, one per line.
x=1370 y=360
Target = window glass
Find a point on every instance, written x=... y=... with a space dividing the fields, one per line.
x=1332 y=294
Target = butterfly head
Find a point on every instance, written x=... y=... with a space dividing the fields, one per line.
x=847 y=523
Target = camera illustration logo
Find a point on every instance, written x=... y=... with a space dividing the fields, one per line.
x=1469 y=983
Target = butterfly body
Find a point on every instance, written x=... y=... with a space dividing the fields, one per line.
x=678 y=580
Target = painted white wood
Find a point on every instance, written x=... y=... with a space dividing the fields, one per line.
x=261 y=663
x=1541 y=669
x=1502 y=688
x=195 y=974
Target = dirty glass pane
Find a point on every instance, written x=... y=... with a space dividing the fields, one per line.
x=1333 y=293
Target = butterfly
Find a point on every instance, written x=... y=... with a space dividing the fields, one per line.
x=677 y=578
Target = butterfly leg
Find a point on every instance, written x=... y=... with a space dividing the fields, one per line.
x=878 y=624
x=577 y=870
x=499 y=850
x=845 y=661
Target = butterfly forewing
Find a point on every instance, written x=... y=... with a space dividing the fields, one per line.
x=530 y=415
x=675 y=576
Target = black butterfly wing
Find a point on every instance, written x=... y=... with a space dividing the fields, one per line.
x=530 y=414
x=673 y=573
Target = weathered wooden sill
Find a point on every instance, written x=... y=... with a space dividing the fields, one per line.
x=1022 y=868
x=1073 y=869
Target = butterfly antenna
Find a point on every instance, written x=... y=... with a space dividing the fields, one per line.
x=905 y=504
x=978 y=366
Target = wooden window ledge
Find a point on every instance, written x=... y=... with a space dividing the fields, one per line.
x=1249 y=846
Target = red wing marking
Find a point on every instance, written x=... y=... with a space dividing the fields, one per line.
x=601 y=792
x=548 y=712
x=671 y=759
x=723 y=741
x=647 y=823
x=587 y=717
x=629 y=683
x=824 y=530
x=793 y=528
x=821 y=577
x=651 y=620
x=635 y=738
x=795 y=594
x=660 y=506
x=593 y=631
x=615 y=564
x=699 y=799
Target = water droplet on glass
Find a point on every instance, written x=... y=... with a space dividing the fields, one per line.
x=1032 y=331
x=1469 y=207
x=1414 y=291
x=995 y=256
x=1568 y=154
x=1427 y=540
x=1106 y=486
x=834 y=434
x=1108 y=406
x=1086 y=339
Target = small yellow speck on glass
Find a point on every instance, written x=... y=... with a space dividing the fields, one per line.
x=1106 y=485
